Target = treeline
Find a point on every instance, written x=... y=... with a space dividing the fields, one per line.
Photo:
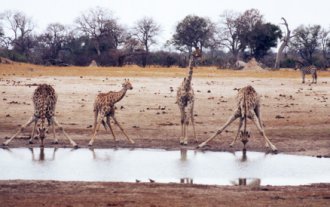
x=97 y=35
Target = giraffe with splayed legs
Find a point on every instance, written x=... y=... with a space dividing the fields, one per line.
x=185 y=99
x=248 y=106
x=104 y=107
x=44 y=101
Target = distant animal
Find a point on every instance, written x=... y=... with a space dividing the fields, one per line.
x=248 y=106
x=104 y=107
x=307 y=70
x=44 y=101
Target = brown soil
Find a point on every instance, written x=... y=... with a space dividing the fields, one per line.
x=296 y=118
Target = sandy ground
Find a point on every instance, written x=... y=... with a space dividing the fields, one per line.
x=296 y=118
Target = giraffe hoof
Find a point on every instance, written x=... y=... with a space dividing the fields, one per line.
x=4 y=144
x=55 y=142
x=75 y=146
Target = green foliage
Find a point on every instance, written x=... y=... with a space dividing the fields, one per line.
x=263 y=37
x=193 y=31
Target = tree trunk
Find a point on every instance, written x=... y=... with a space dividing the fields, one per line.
x=284 y=43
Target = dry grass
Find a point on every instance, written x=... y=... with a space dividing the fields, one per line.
x=29 y=70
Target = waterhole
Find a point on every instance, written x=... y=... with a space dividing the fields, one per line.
x=153 y=165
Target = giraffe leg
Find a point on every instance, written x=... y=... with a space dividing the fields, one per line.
x=256 y=121
x=121 y=128
x=33 y=131
x=104 y=125
x=193 y=122
x=238 y=131
x=108 y=123
x=54 y=134
x=257 y=111
x=65 y=134
x=32 y=119
x=96 y=128
x=258 y=114
x=188 y=113
x=96 y=112
x=185 y=138
x=182 y=124
x=230 y=120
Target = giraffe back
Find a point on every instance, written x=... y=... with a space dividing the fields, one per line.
x=44 y=100
x=106 y=101
x=247 y=99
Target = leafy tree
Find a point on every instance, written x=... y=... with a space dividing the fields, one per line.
x=262 y=38
x=193 y=31
x=245 y=24
x=239 y=32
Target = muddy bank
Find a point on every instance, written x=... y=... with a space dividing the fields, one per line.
x=51 y=193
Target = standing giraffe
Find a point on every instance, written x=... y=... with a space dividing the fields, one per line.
x=185 y=100
x=248 y=106
x=44 y=101
x=104 y=106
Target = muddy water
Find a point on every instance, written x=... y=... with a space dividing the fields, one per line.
x=221 y=168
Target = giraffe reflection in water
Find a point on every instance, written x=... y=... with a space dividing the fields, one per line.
x=42 y=156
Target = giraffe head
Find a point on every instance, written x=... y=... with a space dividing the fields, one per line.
x=245 y=135
x=127 y=84
x=42 y=134
x=197 y=53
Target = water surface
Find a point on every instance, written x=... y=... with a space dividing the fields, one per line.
x=185 y=166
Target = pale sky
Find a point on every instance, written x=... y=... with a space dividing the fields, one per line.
x=167 y=13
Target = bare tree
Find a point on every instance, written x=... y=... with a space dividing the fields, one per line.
x=54 y=38
x=228 y=33
x=306 y=42
x=92 y=23
x=324 y=42
x=21 y=28
x=145 y=31
x=285 y=41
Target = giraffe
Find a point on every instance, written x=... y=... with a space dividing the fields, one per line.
x=44 y=100
x=248 y=106
x=104 y=107
x=185 y=99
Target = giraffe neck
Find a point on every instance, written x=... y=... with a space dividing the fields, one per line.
x=187 y=84
x=117 y=96
x=43 y=109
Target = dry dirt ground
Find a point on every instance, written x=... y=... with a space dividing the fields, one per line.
x=296 y=118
